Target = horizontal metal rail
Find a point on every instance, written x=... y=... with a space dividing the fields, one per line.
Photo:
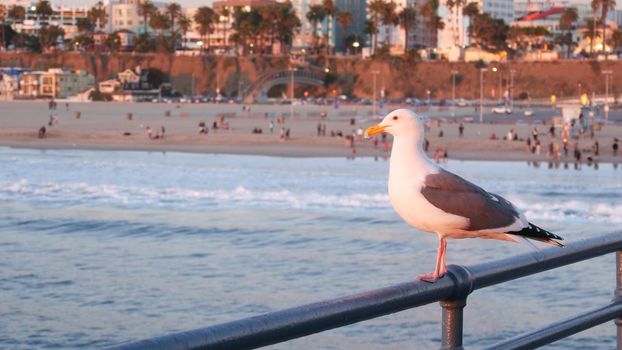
x=280 y=326
x=562 y=329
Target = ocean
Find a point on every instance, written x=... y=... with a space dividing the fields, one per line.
x=104 y=247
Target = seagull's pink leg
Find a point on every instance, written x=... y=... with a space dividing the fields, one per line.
x=443 y=270
x=433 y=276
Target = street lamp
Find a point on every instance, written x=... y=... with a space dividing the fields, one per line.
x=453 y=92
x=291 y=92
x=481 y=94
x=375 y=73
x=512 y=72
x=607 y=73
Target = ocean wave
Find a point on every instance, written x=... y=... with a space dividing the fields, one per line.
x=184 y=198
x=569 y=210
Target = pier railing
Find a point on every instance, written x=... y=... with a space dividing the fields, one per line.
x=452 y=292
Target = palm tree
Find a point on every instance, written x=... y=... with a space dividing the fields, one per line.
x=159 y=22
x=344 y=19
x=145 y=9
x=223 y=19
x=330 y=9
x=17 y=14
x=173 y=10
x=389 y=19
x=44 y=10
x=184 y=24
x=287 y=25
x=566 y=23
x=205 y=18
x=430 y=11
x=605 y=7
x=371 y=30
x=375 y=10
x=97 y=15
x=471 y=10
x=408 y=17
x=315 y=15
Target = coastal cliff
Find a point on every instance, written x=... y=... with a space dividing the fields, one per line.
x=399 y=77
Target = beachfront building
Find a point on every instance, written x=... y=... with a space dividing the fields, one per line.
x=10 y=82
x=55 y=83
x=453 y=38
x=304 y=39
x=131 y=85
x=123 y=15
x=355 y=30
x=65 y=17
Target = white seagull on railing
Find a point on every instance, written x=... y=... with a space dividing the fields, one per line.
x=435 y=200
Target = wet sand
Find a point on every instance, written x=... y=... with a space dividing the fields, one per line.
x=105 y=126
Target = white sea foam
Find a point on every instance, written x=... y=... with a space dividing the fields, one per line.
x=183 y=198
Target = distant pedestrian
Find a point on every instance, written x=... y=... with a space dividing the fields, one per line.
x=42 y=132
x=271 y=125
x=552 y=130
x=596 y=148
x=538 y=147
x=615 y=146
x=461 y=129
x=319 y=129
x=287 y=134
x=577 y=152
x=149 y=132
x=163 y=130
x=565 y=146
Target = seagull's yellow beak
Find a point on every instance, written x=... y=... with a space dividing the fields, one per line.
x=374 y=129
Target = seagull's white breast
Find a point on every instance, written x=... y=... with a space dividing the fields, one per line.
x=407 y=200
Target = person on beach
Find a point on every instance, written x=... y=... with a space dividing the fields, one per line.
x=149 y=132
x=282 y=135
x=550 y=151
x=552 y=130
x=461 y=129
x=577 y=152
x=565 y=146
x=42 y=132
x=319 y=129
x=596 y=148
x=287 y=134
x=271 y=126
x=528 y=145
x=538 y=147
x=163 y=130
x=615 y=146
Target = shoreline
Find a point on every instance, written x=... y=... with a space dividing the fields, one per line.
x=294 y=152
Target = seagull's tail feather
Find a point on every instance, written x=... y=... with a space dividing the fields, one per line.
x=538 y=234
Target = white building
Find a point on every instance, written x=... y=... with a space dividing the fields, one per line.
x=454 y=37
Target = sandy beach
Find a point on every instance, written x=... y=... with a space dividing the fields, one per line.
x=106 y=126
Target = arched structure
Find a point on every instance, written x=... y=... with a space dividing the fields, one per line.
x=258 y=90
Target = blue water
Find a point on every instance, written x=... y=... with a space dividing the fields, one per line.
x=104 y=247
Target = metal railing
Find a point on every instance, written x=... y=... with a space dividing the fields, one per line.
x=452 y=292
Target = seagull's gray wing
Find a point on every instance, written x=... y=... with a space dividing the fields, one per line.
x=455 y=195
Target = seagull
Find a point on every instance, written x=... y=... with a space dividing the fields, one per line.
x=434 y=200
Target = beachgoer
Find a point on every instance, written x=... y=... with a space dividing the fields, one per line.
x=319 y=129
x=565 y=146
x=596 y=148
x=461 y=129
x=271 y=125
x=149 y=132
x=577 y=152
x=440 y=133
x=42 y=132
x=615 y=146
x=163 y=130
x=538 y=146
x=287 y=134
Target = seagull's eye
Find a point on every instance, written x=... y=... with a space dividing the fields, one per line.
x=395 y=118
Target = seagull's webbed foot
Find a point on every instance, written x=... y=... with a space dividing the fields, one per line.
x=430 y=277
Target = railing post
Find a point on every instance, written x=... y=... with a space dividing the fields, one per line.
x=452 y=323
x=618 y=296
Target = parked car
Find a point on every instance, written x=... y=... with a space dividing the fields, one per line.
x=501 y=110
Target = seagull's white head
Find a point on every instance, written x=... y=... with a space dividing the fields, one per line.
x=400 y=122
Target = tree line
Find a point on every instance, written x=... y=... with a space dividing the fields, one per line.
x=257 y=30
